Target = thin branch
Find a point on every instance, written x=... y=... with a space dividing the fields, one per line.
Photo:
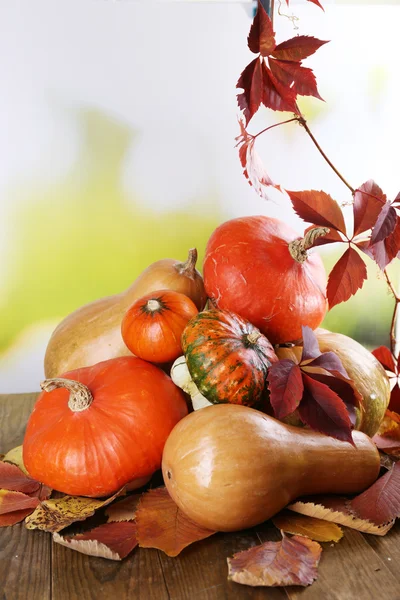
x=393 y=342
x=275 y=125
x=271 y=11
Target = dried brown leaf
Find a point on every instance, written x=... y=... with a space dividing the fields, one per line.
x=292 y=561
x=14 y=457
x=111 y=540
x=160 y=524
x=53 y=515
x=336 y=509
x=310 y=527
x=123 y=510
x=380 y=503
x=12 y=478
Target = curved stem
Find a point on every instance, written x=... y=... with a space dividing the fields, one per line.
x=189 y=266
x=275 y=125
x=298 y=248
x=303 y=123
x=80 y=397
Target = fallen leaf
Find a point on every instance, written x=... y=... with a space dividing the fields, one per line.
x=12 y=478
x=336 y=509
x=123 y=510
x=111 y=540
x=160 y=524
x=318 y=208
x=388 y=436
x=53 y=515
x=380 y=503
x=14 y=517
x=11 y=501
x=346 y=277
x=14 y=457
x=292 y=561
x=310 y=527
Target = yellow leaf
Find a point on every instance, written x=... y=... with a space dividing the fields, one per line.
x=310 y=527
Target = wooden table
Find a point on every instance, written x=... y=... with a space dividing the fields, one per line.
x=32 y=567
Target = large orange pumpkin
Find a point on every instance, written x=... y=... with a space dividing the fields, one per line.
x=98 y=428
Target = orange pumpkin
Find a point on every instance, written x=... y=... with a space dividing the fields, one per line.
x=97 y=428
x=153 y=325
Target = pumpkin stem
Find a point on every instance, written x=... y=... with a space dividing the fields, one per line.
x=153 y=305
x=253 y=336
x=80 y=397
x=298 y=248
x=188 y=268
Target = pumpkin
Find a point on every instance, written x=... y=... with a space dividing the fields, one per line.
x=92 y=333
x=231 y=467
x=362 y=367
x=258 y=268
x=227 y=357
x=97 y=428
x=152 y=327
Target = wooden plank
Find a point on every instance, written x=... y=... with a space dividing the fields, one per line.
x=24 y=555
x=388 y=549
x=348 y=569
x=201 y=571
x=79 y=577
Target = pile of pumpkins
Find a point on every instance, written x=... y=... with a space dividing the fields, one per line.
x=110 y=415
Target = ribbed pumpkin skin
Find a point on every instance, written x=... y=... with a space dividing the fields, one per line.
x=248 y=269
x=118 y=438
x=223 y=363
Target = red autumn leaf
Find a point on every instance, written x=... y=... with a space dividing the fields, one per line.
x=14 y=517
x=310 y=344
x=286 y=387
x=385 y=224
x=385 y=357
x=346 y=277
x=12 y=478
x=381 y=502
x=317 y=3
x=394 y=403
x=368 y=202
x=276 y=95
x=292 y=74
x=344 y=388
x=160 y=524
x=297 y=48
x=251 y=81
x=386 y=250
x=16 y=501
x=261 y=39
x=336 y=509
x=253 y=169
x=330 y=362
x=323 y=410
x=318 y=208
x=387 y=438
x=330 y=238
x=110 y=540
x=292 y=561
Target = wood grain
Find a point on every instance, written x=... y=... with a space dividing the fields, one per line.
x=31 y=566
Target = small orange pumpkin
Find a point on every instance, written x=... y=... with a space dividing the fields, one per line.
x=153 y=325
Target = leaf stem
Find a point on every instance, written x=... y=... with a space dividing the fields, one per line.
x=304 y=124
x=393 y=342
x=275 y=125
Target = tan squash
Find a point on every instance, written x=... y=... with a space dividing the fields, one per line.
x=363 y=368
x=229 y=467
x=92 y=333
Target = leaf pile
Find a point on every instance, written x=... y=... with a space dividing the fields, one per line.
x=316 y=386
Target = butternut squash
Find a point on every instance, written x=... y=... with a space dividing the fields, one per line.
x=92 y=333
x=229 y=467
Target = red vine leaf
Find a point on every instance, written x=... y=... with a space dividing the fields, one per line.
x=292 y=561
x=292 y=74
x=251 y=81
x=160 y=524
x=318 y=208
x=346 y=277
x=384 y=251
x=253 y=169
x=317 y=3
x=261 y=39
x=297 y=48
x=388 y=437
x=368 y=202
x=385 y=223
x=111 y=540
x=276 y=95
x=323 y=410
x=286 y=387
x=380 y=504
x=385 y=357
x=310 y=344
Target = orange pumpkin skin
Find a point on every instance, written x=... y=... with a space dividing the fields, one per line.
x=119 y=438
x=153 y=325
x=248 y=269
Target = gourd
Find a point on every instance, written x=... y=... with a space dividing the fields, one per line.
x=258 y=268
x=95 y=429
x=92 y=333
x=152 y=327
x=231 y=467
x=363 y=368
x=227 y=357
